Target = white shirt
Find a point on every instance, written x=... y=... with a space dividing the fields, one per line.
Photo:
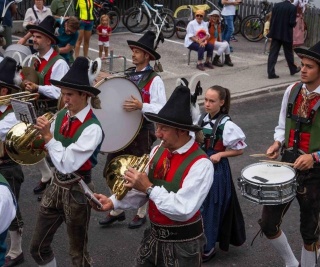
x=6 y=123
x=229 y=10
x=70 y=159
x=59 y=69
x=192 y=29
x=7 y=208
x=180 y=206
x=29 y=17
x=233 y=137
x=279 y=134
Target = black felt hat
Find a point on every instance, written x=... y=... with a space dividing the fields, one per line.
x=46 y=27
x=176 y=112
x=77 y=78
x=146 y=43
x=312 y=53
x=9 y=75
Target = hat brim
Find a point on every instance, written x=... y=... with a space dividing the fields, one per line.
x=153 y=54
x=37 y=28
x=92 y=91
x=155 y=118
x=12 y=87
x=302 y=52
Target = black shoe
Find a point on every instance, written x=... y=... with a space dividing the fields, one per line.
x=273 y=76
x=41 y=187
x=296 y=71
x=111 y=219
x=137 y=222
x=13 y=262
x=208 y=257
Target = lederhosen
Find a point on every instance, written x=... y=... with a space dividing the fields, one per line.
x=14 y=175
x=302 y=136
x=165 y=231
x=45 y=104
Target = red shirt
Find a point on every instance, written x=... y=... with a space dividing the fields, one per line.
x=100 y=29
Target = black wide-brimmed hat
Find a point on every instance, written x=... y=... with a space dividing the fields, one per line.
x=46 y=27
x=312 y=53
x=146 y=43
x=77 y=78
x=177 y=111
x=9 y=75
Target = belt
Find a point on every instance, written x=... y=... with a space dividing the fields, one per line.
x=71 y=178
x=177 y=233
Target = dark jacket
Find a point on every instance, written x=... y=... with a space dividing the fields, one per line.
x=283 y=20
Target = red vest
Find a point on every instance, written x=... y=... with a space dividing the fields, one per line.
x=177 y=159
x=145 y=92
x=42 y=66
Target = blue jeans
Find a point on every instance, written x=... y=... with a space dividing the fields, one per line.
x=229 y=28
x=196 y=47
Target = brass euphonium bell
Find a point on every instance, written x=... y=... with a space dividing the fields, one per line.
x=21 y=142
x=114 y=172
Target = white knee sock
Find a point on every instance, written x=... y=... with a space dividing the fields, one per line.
x=142 y=211
x=15 y=244
x=52 y=263
x=308 y=258
x=282 y=246
x=45 y=170
x=115 y=212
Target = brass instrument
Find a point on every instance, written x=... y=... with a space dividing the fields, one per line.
x=21 y=142
x=23 y=96
x=114 y=173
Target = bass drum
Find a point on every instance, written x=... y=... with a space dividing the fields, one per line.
x=120 y=127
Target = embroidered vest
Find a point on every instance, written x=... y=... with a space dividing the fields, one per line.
x=180 y=166
x=309 y=133
x=76 y=128
x=144 y=86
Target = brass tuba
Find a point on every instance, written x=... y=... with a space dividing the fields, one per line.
x=23 y=142
x=115 y=172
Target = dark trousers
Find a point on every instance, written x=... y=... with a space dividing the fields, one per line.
x=208 y=48
x=14 y=175
x=62 y=204
x=274 y=53
x=309 y=202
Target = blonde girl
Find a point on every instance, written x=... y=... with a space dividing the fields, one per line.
x=104 y=32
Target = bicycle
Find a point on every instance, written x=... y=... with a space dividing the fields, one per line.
x=252 y=26
x=136 y=7
x=184 y=14
x=139 y=19
x=102 y=7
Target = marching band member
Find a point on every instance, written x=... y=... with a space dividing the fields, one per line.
x=12 y=171
x=73 y=141
x=154 y=98
x=52 y=66
x=298 y=130
x=180 y=176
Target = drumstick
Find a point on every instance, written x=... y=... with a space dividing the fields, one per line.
x=259 y=155
x=277 y=162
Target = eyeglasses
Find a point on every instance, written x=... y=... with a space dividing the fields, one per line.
x=199 y=16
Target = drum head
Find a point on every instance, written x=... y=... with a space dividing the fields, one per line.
x=266 y=173
x=23 y=50
x=120 y=127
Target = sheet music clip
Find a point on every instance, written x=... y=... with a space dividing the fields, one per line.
x=24 y=111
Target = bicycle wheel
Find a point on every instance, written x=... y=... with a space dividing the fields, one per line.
x=253 y=29
x=114 y=19
x=243 y=23
x=137 y=21
x=237 y=24
x=126 y=13
x=183 y=12
x=169 y=26
x=181 y=27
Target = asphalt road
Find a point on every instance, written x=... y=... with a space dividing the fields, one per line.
x=116 y=245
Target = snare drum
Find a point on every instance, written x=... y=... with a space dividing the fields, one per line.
x=268 y=184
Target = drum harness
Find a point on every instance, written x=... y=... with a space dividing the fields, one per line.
x=290 y=155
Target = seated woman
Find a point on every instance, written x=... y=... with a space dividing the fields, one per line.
x=196 y=39
x=214 y=27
